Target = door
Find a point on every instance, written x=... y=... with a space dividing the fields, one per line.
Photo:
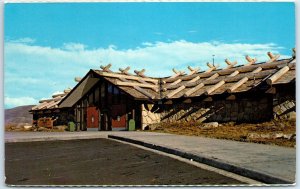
x=92 y=117
x=118 y=115
x=104 y=124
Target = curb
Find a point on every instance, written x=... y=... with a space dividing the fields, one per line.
x=263 y=177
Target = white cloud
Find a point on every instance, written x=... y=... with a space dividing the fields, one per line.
x=23 y=40
x=74 y=46
x=20 y=101
x=36 y=71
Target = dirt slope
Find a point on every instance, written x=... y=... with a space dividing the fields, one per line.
x=18 y=115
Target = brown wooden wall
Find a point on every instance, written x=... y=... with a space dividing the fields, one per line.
x=114 y=106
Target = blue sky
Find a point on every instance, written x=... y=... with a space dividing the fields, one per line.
x=48 y=44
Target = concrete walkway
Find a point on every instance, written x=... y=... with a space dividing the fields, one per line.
x=50 y=136
x=266 y=163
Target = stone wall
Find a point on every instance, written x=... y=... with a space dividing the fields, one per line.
x=284 y=105
x=257 y=108
x=241 y=110
x=149 y=117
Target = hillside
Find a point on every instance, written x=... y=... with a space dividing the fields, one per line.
x=18 y=115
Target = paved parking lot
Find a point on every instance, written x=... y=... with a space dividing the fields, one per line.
x=98 y=162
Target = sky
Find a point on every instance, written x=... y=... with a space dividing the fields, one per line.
x=48 y=44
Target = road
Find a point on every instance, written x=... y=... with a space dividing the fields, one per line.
x=99 y=162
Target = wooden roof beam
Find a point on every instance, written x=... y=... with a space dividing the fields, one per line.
x=242 y=81
x=177 y=73
x=77 y=79
x=193 y=70
x=277 y=75
x=250 y=60
x=123 y=83
x=236 y=72
x=144 y=92
x=215 y=87
x=37 y=107
x=125 y=71
x=272 y=57
x=192 y=90
x=52 y=99
x=130 y=77
x=194 y=79
x=175 y=91
x=124 y=78
x=50 y=104
x=211 y=67
x=106 y=68
x=214 y=76
x=67 y=90
x=58 y=95
x=237 y=85
x=140 y=73
x=230 y=64
x=176 y=82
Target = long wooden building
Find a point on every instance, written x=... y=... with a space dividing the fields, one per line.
x=253 y=92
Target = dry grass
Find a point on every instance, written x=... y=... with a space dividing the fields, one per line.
x=20 y=127
x=237 y=132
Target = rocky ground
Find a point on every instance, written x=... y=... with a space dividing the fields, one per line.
x=277 y=132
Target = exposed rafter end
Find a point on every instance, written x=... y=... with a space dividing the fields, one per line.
x=140 y=73
x=272 y=57
x=230 y=64
x=211 y=67
x=125 y=71
x=177 y=73
x=193 y=70
x=67 y=90
x=77 y=79
x=208 y=99
x=271 y=90
x=277 y=75
x=106 y=68
x=169 y=102
x=250 y=60
x=187 y=101
x=231 y=97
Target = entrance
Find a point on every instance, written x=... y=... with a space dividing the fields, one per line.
x=118 y=117
x=104 y=122
x=92 y=118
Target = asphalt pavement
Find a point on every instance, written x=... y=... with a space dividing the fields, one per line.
x=265 y=163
